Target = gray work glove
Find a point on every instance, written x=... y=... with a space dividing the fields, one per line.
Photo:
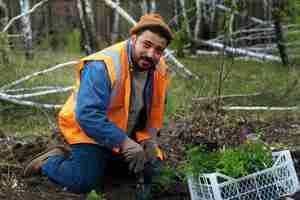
x=134 y=154
x=150 y=147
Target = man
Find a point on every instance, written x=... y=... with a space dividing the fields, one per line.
x=116 y=110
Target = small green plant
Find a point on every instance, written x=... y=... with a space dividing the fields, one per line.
x=93 y=195
x=168 y=176
x=234 y=162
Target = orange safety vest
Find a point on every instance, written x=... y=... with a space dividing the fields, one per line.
x=116 y=61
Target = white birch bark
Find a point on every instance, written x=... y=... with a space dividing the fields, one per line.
x=267 y=9
x=115 y=28
x=212 y=15
x=261 y=108
x=11 y=21
x=186 y=20
x=177 y=12
x=144 y=6
x=231 y=23
x=39 y=73
x=90 y=24
x=198 y=20
x=152 y=6
x=87 y=45
x=26 y=28
x=28 y=103
x=242 y=52
x=226 y=9
x=40 y=93
x=3 y=13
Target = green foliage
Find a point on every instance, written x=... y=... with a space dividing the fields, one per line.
x=292 y=10
x=45 y=42
x=4 y=48
x=93 y=195
x=181 y=38
x=68 y=40
x=72 y=41
x=167 y=177
x=200 y=160
x=234 y=162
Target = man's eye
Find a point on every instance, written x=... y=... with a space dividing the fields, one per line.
x=147 y=45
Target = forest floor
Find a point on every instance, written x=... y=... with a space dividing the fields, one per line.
x=200 y=126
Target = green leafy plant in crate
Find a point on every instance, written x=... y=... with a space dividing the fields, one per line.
x=235 y=162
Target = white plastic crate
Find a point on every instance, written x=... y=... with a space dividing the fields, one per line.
x=268 y=184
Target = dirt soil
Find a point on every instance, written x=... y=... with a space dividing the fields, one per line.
x=201 y=126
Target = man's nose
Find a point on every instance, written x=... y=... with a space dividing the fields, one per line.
x=150 y=53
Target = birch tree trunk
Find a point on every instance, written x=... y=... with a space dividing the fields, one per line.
x=177 y=13
x=198 y=20
x=186 y=20
x=90 y=24
x=231 y=23
x=279 y=34
x=115 y=31
x=144 y=6
x=212 y=17
x=26 y=28
x=3 y=14
x=85 y=40
x=88 y=28
x=4 y=48
x=267 y=9
x=152 y=6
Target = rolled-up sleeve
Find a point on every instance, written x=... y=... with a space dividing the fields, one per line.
x=92 y=103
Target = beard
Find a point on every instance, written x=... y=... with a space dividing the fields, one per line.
x=147 y=63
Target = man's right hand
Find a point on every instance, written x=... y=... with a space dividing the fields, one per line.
x=134 y=154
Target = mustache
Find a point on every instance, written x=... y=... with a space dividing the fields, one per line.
x=153 y=62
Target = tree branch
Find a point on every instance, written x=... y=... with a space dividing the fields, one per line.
x=37 y=74
x=260 y=108
x=225 y=96
x=241 y=52
x=22 y=15
x=35 y=94
x=5 y=97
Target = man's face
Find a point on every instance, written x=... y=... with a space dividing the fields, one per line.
x=147 y=49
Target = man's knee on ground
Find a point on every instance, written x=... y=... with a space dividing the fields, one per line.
x=84 y=185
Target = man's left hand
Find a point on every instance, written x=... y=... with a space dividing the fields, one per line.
x=150 y=148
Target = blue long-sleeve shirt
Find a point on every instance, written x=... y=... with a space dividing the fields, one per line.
x=92 y=103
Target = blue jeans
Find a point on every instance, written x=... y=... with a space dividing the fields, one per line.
x=84 y=169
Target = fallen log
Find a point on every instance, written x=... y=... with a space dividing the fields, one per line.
x=5 y=97
x=225 y=96
x=41 y=93
x=238 y=51
x=260 y=108
x=7 y=86
x=32 y=89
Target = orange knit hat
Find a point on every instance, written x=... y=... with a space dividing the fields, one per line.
x=153 y=20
